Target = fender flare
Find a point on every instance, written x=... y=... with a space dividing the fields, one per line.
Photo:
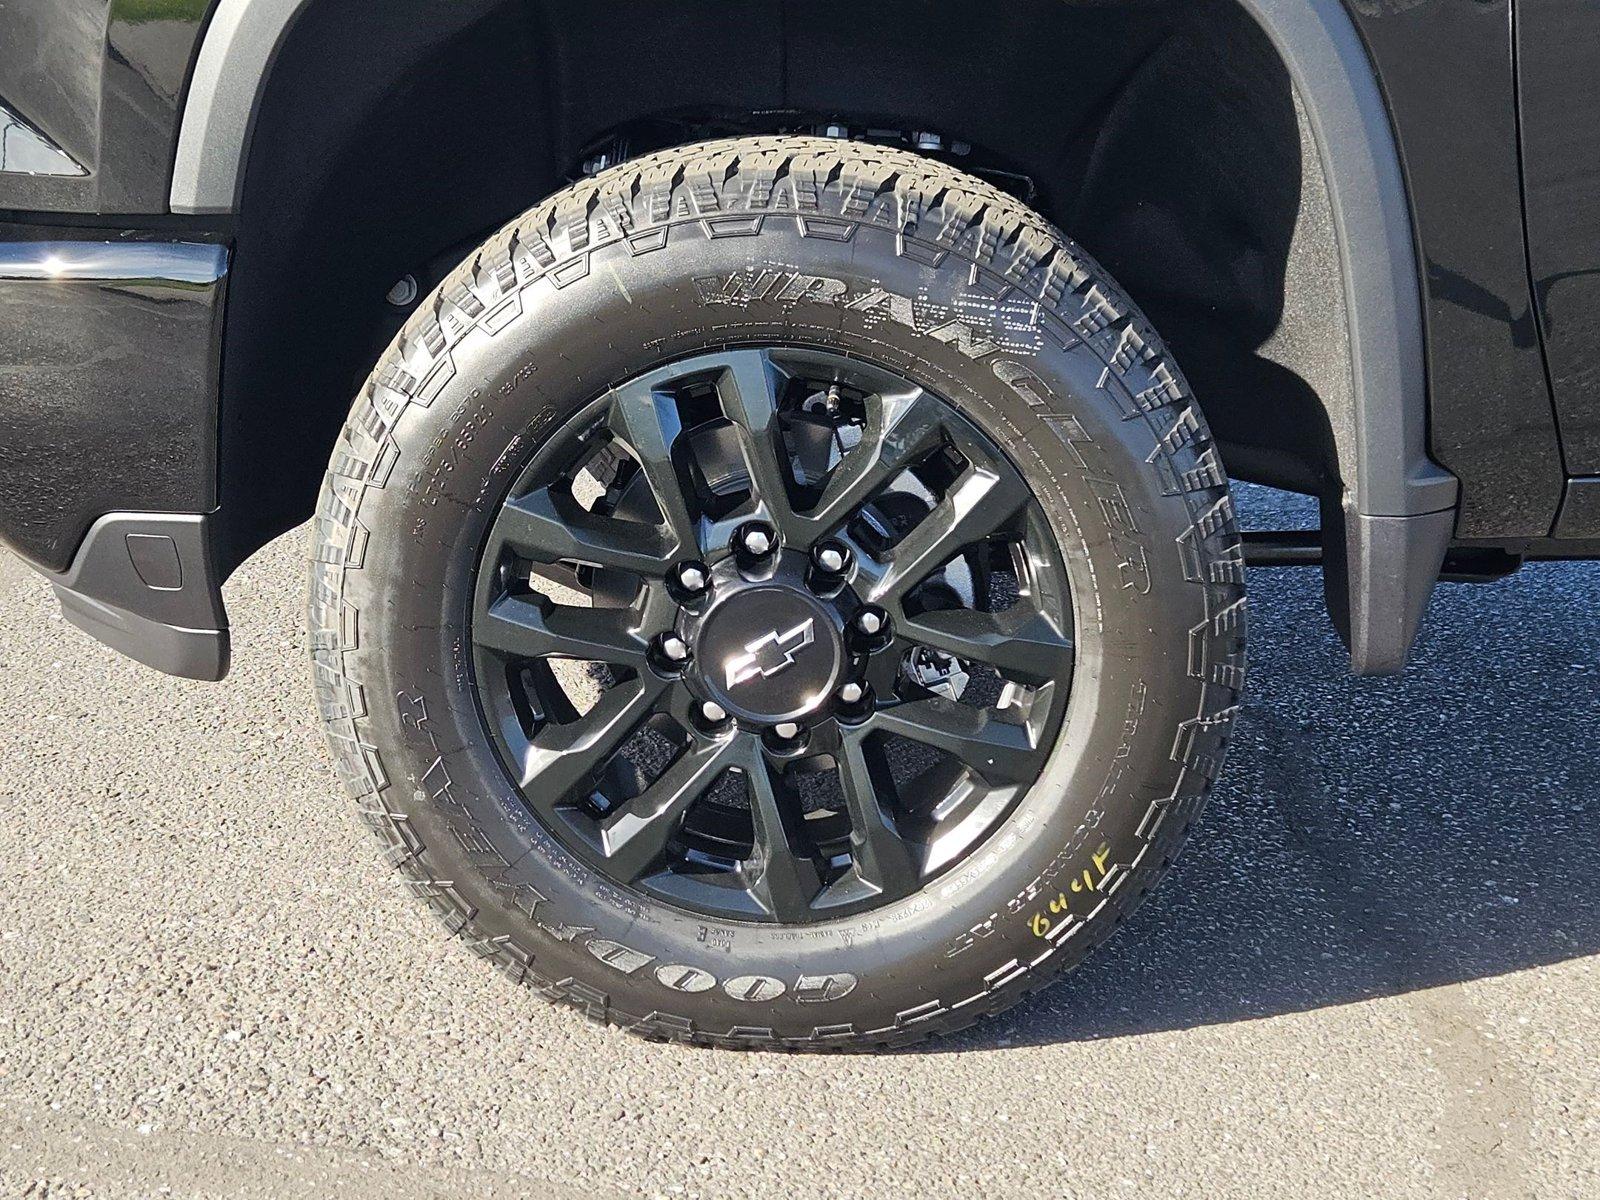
x=1398 y=507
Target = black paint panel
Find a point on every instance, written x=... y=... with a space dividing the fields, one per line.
x=1559 y=67
x=1446 y=69
x=104 y=80
x=108 y=383
x=1580 y=512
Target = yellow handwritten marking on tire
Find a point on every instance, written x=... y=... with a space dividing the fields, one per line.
x=1088 y=880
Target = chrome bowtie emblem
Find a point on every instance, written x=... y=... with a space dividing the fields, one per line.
x=770 y=653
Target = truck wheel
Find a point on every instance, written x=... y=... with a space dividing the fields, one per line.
x=779 y=593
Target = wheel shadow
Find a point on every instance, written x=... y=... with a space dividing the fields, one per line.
x=1371 y=837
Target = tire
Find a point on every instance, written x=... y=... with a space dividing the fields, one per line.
x=876 y=256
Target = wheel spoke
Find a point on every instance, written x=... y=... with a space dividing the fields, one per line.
x=901 y=428
x=522 y=627
x=1000 y=752
x=885 y=669
x=562 y=756
x=748 y=389
x=535 y=528
x=782 y=877
x=980 y=503
x=647 y=420
x=883 y=859
x=636 y=837
x=1021 y=644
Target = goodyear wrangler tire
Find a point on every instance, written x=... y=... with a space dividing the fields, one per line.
x=779 y=593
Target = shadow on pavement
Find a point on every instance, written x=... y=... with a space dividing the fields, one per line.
x=1371 y=837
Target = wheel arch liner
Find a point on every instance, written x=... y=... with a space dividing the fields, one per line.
x=1391 y=474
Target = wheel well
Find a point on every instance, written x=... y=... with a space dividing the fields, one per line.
x=1164 y=135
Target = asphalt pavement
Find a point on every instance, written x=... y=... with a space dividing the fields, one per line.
x=1373 y=973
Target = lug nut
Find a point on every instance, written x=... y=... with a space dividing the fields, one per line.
x=692 y=578
x=755 y=541
x=869 y=629
x=713 y=712
x=674 y=648
x=787 y=730
x=830 y=562
x=855 y=701
x=831 y=557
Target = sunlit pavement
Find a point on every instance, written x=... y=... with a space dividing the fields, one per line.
x=1373 y=972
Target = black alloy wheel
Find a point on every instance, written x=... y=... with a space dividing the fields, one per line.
x=815 y=640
